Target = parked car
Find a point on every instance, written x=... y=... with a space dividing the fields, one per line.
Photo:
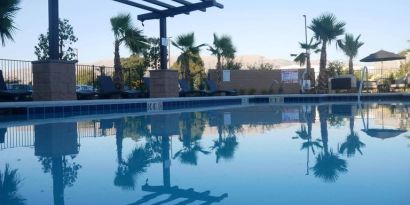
x=84 y=88
x=20 y=87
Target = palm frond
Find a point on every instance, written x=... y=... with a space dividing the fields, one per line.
x=8 y=10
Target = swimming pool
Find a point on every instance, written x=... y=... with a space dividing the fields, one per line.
x=342 y=153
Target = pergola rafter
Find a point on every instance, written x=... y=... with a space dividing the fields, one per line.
x=167 y=10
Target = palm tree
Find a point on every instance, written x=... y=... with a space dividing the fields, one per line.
x=192 y=126
x=352 y=142
x=225 y=146
x=9 y=185
x=189 y=53
x=350 y=46
x=304 y=58
x=8 y=9
x=223 y=49
x=137 y=163
x=326 y=29
x=125 y=33
x=328 y=164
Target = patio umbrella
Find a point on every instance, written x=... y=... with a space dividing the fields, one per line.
x=383 y=133
x=381 y=56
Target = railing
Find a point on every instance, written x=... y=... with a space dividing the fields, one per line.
x=24 y=136
x=18 y=74
x=376 y=74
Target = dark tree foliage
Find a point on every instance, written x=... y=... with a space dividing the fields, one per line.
x=66 y=41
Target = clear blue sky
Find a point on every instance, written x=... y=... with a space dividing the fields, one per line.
x=258 y=27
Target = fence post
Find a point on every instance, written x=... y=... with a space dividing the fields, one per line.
x=129 y=78
x=93 y=77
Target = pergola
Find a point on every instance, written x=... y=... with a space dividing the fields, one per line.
x=157 y=9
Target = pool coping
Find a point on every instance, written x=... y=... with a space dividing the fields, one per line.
x=42 y=110
x=31 y=104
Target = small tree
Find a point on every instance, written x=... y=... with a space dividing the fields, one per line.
x=151 y=53
x=66 y=40
x=233 y=65
x=335 y=68
x=134 y=68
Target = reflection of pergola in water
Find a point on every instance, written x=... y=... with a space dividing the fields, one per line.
x=166 y=126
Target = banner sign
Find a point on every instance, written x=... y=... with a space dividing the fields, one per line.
x=290 y=76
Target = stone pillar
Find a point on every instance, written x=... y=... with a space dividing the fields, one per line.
x=54 y=80
x=164 y=83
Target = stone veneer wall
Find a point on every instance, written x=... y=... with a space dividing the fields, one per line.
x=261 y=81
x=164 y=83
x=54 y=80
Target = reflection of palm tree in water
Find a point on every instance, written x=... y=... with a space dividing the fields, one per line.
x=192 y=126
x=328 y=164
x=225 y=146
x=352 y=143
x=9 y=185
x=136 y=163
x=306 y=135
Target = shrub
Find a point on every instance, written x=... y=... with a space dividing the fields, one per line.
x=241 y=91
x=252 y=91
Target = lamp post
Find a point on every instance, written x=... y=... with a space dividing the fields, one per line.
x=169 y=52
x=306 y=56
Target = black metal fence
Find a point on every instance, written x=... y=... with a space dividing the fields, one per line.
x=18 y=74
x=377 y=74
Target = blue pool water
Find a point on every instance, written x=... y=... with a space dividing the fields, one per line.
x=310 y=154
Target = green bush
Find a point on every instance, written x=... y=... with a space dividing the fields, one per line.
x=252 y=91
x=241 y=91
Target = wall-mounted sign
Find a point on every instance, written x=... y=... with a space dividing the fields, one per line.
x=290 y=76
x=226 y=76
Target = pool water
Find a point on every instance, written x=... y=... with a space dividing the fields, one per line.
x=310 y=154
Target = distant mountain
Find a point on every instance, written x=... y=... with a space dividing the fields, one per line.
x=246 y=60
x=210 y=61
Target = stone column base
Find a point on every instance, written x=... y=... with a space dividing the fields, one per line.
x=54 y=80
x=164 y=83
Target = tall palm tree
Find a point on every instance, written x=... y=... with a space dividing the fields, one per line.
x=9 y=185
x=326 y=29
x=350 y=46
x=328 y=164
x=223 y=49
x=189 y=53
x=129 y=35
x=8 y=9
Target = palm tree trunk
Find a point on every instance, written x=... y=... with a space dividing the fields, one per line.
x=323 y=115
x=218 y=71
x=308 y=66
x=188 y=73
x=119 y=136
x=118 y=78
x=351 y=123
x=351 y=72
x=323 y=78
